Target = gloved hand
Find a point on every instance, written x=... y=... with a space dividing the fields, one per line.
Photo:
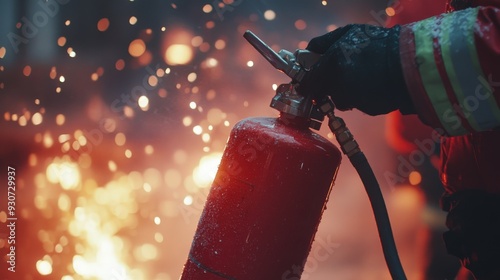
x=359 y=68
x=460 y=4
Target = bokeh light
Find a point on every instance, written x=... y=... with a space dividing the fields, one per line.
x=204 y=173
x=137 y=48
x=269 y=15
x=178 y=54
x=103 y=24
x=390 y=11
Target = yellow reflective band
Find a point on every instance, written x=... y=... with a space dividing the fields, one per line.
x=424 y=32
x=453 y=36
x=462 y=66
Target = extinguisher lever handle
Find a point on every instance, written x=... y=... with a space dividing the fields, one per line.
x=285 y=62
x=269 y=54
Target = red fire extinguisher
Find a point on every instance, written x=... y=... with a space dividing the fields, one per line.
x=271 y=188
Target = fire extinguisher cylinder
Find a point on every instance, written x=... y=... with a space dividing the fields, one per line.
x=266 y=202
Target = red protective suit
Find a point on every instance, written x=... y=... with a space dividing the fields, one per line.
x=469 y=158
x=451 y=65
x=471 y=161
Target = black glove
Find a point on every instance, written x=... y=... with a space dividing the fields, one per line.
x=474 y=229
x=359 y=68
x=461 y=4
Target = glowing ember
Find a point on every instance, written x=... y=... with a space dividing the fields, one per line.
x=128 y=153
x=143 y=102
x=269 y=15
x=187 y=121
x=390 y=11
x=210 y=24
x=53 y=73
x=146 y=252
x=23 y=121
x=188 y=200
x=132 y=20
x=197 y=130
x=60 y=119
x=205 y=47
x=153 y=80
x=196 y=41
x=220 y=44
x=136 y=48
x=65 y=173
x=61 y=41
x=191 y=77
x=300 y=24
x=44 y=267
x=71 y=52
x=27 y=70
x=32 y=160
x=207 y=8
x=149 y=150
x=205 y=137
x=415 y=178
x=120 y=139
x=158 y=237
x=37 y=119
x=204 y=173
x=120 y=64
x=103 y=24
x=178 y=54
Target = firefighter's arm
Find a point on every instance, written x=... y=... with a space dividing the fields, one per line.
x=450 y=64
x=444 y=68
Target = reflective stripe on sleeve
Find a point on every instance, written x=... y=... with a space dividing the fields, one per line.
x=425 y=31
x=462 y=65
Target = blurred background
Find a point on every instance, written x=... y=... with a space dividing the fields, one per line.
x=114 y=115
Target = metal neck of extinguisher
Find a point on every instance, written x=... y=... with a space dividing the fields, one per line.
x=288 y=101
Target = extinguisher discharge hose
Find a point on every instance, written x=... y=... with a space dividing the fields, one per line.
x=358 y=159
x=372 y=188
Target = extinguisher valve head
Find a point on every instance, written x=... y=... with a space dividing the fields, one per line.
x=287 y=100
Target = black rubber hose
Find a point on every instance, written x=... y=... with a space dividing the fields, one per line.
x=372 y=188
